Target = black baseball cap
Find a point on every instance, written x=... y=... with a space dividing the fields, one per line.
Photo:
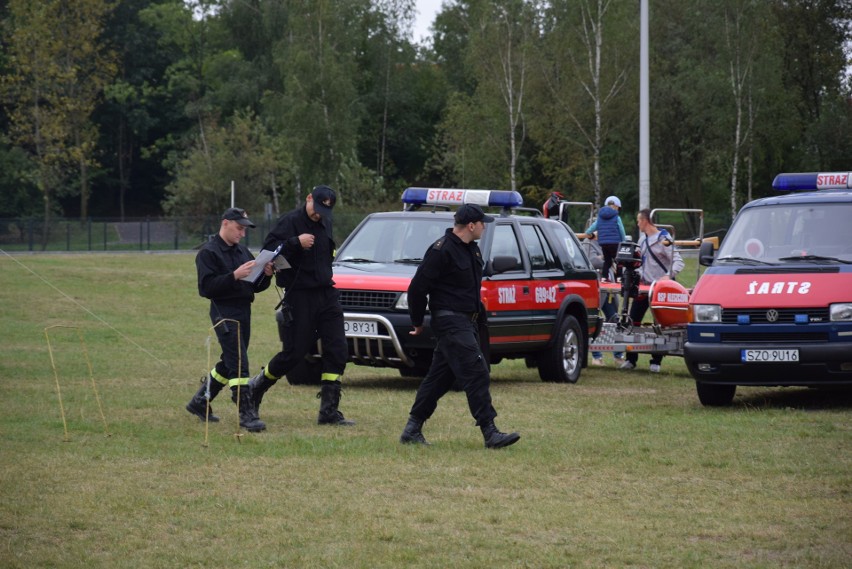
x=324 y=200
x=239 y=215
x=471 y=213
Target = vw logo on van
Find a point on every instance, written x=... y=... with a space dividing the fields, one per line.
x=771 y=315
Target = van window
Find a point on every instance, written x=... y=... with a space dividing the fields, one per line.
x=769 y=233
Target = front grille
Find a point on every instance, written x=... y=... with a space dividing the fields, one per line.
x=367 y=299
x=786 y=337
x=785 y=315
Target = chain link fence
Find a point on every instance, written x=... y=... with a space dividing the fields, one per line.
x=136 y=234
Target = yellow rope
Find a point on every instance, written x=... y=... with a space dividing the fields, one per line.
x=91 y=377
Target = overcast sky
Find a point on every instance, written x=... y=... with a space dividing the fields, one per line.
x=426 y=11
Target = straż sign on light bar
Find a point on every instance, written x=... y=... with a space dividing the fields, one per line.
x=456 y=197
x=813 y=181
x=836 y=180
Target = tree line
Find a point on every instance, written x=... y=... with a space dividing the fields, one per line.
x=146 y=107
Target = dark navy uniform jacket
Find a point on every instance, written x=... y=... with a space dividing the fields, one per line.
x=311 y=268
x=451 y=274
x=216 y=263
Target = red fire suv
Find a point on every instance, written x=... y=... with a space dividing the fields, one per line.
x=539 y=289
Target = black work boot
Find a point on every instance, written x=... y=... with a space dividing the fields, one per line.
x=198 y=405
x=329 y=400
x=259 y=385
x=494 y=438
x=248 y=417
x=412 y=434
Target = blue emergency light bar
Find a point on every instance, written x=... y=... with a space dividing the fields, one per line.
x=456 y=197
x=813 y=181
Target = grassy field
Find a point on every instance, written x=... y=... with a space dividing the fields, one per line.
x=623 y=469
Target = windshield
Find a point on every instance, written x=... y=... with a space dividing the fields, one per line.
x=784 y=233
x=389 y=240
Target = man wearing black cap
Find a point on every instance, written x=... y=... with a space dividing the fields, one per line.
x=311 y=307
x=221 y=263
x=449 y=278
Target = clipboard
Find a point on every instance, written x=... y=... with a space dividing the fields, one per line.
x=264 y=257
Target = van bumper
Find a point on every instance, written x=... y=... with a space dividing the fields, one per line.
x=819 y=364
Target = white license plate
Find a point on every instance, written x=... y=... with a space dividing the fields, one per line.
x=749 y=356
x=360 y=327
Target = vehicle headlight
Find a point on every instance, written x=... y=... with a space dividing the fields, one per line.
x=402 y=302
x=706 y=313
x=840 y=312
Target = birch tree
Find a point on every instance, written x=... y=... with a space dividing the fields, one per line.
x=502 y=58
x=741 y=45
x=595 y=68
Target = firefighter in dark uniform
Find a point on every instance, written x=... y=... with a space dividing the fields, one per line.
x=450 y=275
x=311 y=307
x=221 y=263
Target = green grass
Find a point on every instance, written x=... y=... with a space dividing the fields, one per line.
x=623 y=469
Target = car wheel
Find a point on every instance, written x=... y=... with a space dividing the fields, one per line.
x=419 y=370
x=715 y=395
x=562 y=362
x=306 y=373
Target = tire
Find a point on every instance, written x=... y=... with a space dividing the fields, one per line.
x=562 y=362
x=418 y=371
x=712 y=395
x=306 y=373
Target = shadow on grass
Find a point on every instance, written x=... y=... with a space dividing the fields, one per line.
x=794 y=398
x=400 y=383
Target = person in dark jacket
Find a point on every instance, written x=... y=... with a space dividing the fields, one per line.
x=450 y=277
x=610 y=232
x=221 y=264
x=311 y=304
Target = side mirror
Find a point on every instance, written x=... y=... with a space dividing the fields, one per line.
x=705 y=253
x=501 y=264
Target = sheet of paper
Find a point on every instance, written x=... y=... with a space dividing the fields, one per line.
x=260 y=261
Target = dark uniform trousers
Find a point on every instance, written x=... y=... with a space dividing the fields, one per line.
x=316 y=314
x=457 y=356
x=233 y=363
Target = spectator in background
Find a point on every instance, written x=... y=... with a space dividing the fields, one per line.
x=610 y=232
x=609 y=300
x=660 y=260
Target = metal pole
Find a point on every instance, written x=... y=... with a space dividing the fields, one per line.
x=644 y=123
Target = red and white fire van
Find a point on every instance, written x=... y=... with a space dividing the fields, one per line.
x=774 y=307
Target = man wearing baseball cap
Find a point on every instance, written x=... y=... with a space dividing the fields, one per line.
x=221 y=264
x=311 y=306
x=610 y=232
x=449 y=279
